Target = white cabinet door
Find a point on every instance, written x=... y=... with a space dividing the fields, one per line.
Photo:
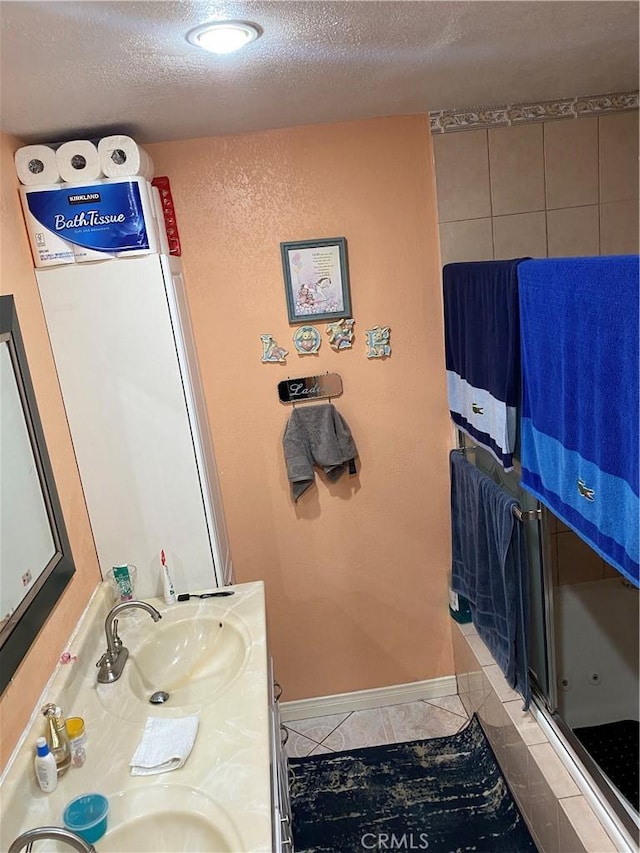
x=112 y=338
x=197 y=410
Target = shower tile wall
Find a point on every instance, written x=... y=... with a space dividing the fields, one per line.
x=572 y=560
x=548 y=189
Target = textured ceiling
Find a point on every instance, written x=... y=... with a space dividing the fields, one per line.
x=85 y=68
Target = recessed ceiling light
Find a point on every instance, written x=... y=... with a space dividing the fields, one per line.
x=224 y=36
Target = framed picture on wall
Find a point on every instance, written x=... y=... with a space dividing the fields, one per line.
x=316 y=280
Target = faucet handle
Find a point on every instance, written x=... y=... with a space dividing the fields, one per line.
x=105 y=662
x=117 y=642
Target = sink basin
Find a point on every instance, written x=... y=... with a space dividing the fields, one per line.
x=191 y=659
x=193 y=655
x=168 y=818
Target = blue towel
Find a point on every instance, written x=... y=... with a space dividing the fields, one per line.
x=490 y=568
x=580 y=413
x=482 y=349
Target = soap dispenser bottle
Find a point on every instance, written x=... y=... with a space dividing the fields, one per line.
x=57 y=737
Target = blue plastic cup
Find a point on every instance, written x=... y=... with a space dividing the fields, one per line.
x=87 y=816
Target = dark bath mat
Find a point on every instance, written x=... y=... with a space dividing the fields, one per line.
x=443 y=795
x=614 y=747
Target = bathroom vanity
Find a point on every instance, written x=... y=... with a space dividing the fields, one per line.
x=211 y=657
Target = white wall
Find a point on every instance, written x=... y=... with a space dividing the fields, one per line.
x=597 y=651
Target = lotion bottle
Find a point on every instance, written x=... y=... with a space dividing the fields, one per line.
x=45 y=765
x=168 y=591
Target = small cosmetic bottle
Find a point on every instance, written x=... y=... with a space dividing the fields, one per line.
x=45 y=766
x=77 y=740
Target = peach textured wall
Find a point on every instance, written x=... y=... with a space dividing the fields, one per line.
x=356 y=573
x=17 y=278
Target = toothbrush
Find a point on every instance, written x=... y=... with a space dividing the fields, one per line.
x=185 y=596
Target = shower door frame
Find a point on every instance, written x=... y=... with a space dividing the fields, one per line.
x=546 y=700
x=547 y=704
x=548 y=697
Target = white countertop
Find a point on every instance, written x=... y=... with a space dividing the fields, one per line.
x=229 y=764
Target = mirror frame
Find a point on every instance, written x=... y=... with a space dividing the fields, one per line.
x=22 y=627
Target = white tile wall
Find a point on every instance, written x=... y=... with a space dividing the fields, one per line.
x=557 y=189
x=573 y=231
x=517 y=169
x=619 y=157
x=619 y=228
x=466 y=240
x=520 y=235
x=462 y=174
x=571 y=162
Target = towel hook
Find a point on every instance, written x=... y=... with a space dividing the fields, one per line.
x=304 y=388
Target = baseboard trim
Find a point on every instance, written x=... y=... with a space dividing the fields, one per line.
x=362 y=700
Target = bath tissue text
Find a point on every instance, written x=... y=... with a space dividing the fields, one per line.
x=86 y=218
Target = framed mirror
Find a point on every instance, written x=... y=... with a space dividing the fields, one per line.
x=35 y=557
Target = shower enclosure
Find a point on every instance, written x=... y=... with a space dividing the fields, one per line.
x=583 y=646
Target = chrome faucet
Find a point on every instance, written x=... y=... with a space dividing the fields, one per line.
x=54 y=833
x=113 y=660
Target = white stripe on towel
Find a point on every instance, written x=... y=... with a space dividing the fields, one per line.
x=482 y=411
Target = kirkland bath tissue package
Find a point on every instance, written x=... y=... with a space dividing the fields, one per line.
x=96 y=221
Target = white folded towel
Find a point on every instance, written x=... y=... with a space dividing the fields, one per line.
x=165 y=745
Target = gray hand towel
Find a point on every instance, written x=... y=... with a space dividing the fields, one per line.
x=316 y=435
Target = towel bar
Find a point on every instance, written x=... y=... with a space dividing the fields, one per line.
x=521 y=515
x=527 y=515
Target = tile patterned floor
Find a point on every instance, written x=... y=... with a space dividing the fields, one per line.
x=377 y=726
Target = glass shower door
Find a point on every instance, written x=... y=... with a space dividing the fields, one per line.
x=548 y=630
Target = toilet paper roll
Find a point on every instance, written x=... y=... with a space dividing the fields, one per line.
x=159 y=214
x=122 y=157
x=36 y=164
x=78 y=161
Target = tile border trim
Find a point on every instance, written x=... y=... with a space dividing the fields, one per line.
x=363 y=700
x=507 y=115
